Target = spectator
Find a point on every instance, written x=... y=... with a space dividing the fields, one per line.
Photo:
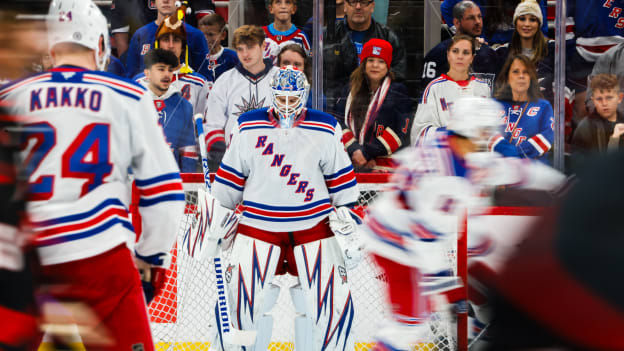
x=497 y=16
x=294 y=55
x=611 y=62
x=433 y=110
x=592 y=28
x=604 y=127
x=528 y=120
x=193 y=86
x=175 y=114
x=282 y=32
x=144 y=38
x=128 y=15
x=244 y=88
x=219 y=59
x=529 y=41
x=341 y=51
x=376 y=110
x=467 y=19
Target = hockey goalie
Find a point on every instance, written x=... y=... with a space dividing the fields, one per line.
x=408 y=229
x=287 y=167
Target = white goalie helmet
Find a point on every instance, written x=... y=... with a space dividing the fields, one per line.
x=476 y=118
x=79 y=22
x=289 y=91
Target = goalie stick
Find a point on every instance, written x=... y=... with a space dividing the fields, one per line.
x=229 y=334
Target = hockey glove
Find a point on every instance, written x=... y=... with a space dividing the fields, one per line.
x=211 y=223
x=152 y=278
x=345 y=230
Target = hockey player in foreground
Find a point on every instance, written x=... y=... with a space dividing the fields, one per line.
x=408 y=230
x=83 y=130
x=288 y=168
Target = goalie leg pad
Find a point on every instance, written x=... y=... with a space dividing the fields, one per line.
x=327 y=300
x=248 y=277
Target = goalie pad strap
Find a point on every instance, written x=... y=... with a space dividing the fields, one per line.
x=287 y=241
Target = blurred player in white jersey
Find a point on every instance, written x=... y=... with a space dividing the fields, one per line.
x=408 y=229
x=288 y=168
x=83 y=130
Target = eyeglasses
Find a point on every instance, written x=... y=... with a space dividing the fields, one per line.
x=362 y=3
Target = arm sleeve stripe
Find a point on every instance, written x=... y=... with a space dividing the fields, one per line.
x=342 y=187
x=228 y=183
x=390 y=140
x=160 y=178
x=164 y=198
x=540 y=143
x=347 y=169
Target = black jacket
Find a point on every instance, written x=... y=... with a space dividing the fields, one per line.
x=340 y=57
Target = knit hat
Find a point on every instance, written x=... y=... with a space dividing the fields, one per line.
x=174 y=24
x=528 y=7
x=377 y=48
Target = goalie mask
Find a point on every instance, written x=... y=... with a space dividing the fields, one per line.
x=79 y=22
x=477 y=119
x=289 y=91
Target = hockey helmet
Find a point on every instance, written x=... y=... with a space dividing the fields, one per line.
x=289 y=91
x=476 y=118
x=80 y=22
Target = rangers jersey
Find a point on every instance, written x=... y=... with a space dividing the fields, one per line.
x=175 y=115
x=433 y=110
x=192 y=86
x=287 y=179
x=215 y=65
x=143 y=41
x=83 y=131
x=595 y=26
x=276 y=40
x=528 y=130
x=237 y=91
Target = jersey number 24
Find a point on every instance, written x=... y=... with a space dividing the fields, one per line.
x=87 y=157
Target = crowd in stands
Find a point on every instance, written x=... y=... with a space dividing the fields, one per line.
x=499 y=49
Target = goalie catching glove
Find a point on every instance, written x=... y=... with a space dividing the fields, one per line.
x=345 y=231
x=211 y=224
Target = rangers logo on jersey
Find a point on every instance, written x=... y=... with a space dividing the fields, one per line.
x=249 y=105
x=376 y=50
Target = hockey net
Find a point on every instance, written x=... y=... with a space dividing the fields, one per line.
x=182 y=317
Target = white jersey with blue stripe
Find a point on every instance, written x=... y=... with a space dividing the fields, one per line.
x=434 y=108
x=287 y=179
x=83 y=131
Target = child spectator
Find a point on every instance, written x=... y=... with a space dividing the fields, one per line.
x=282 y=32
x=602 y=129
x=219 y=59
x=244 y=88
x=175 y=114
x=193 y=86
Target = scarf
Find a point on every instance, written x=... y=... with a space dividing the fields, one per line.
x=371 y=113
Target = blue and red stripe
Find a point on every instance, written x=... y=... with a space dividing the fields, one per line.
x=229 y=176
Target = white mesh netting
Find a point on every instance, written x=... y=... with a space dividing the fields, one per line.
x=183 y=315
